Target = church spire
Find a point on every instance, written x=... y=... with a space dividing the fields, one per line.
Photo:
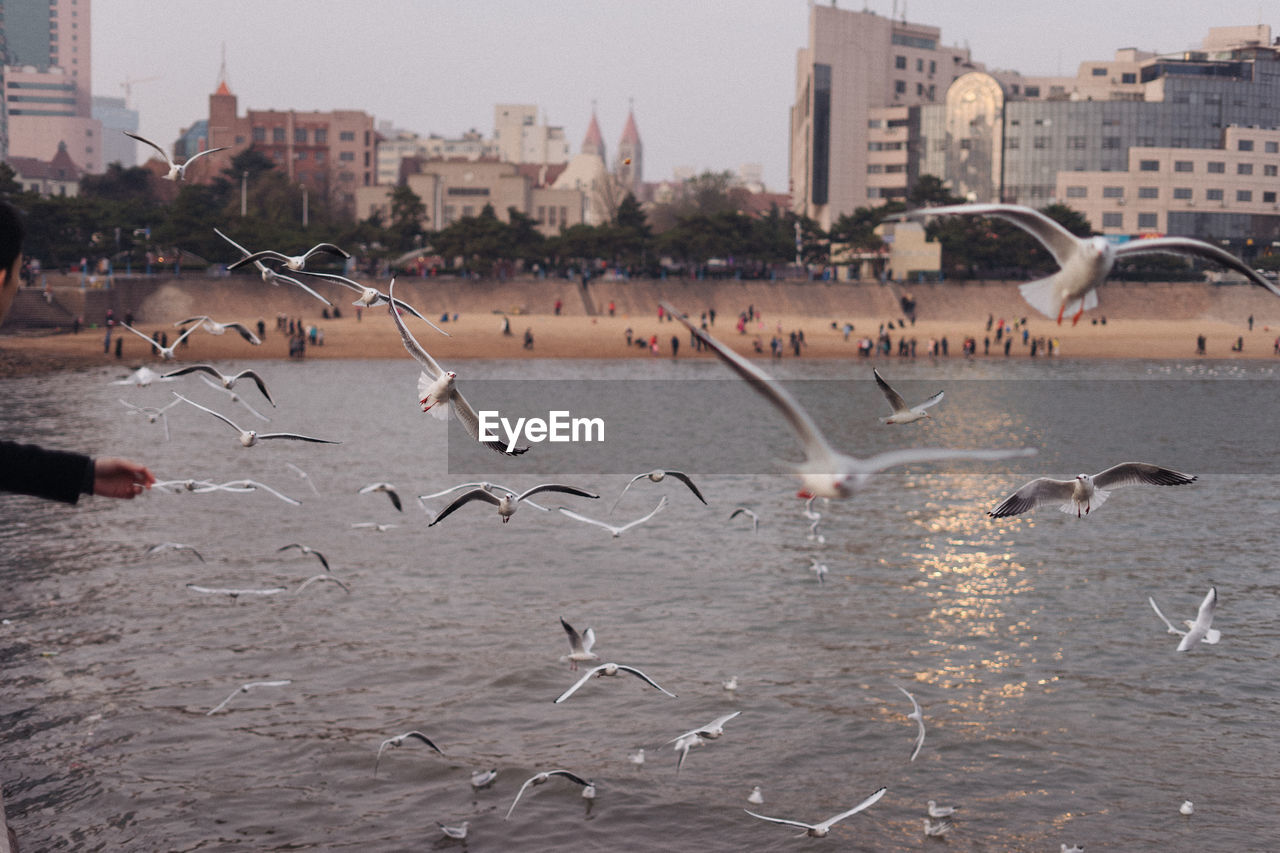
x=593 y=143
x=223 y=88
x=630 y=165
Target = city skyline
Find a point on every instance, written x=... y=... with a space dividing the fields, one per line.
x=711 y=86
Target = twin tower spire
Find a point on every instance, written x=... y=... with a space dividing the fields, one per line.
x=630 y=157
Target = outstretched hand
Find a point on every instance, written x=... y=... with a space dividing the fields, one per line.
x=114 y=477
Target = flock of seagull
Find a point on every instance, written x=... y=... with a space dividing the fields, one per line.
x=825 y=472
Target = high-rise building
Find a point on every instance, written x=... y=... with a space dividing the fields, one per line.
x=46 y=82
x=116 y=118
x=521 y=139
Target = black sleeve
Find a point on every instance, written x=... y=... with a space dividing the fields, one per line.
x=53 y=474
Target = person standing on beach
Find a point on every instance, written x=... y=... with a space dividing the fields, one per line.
x=58 y=475
x=675 y=346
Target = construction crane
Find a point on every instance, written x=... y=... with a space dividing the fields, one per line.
x=127 y=85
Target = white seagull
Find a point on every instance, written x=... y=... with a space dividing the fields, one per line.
x=171 y=546
x=579 y=645
x=540 y=778
x=231 y=395
x=373 y=525
x=177 y=171
x=436 y=388
x=321 y=578
x=293 y=263
x=370 y=297
x=248 y=486
x=684 y=743
x=820 y=830
x=303 y=475
x=756 y=798
x=459 y=831
x=610 y=669
x=818 y=568
x=936 y=810
x=825 y=471
x=917 y=715
x=1187 y=808
x=307 y=550
x=937 y=829
x=152 y=414
x=615 y=530
x=1085 y=492
x=244 y=688
x=1085 y=261
x=483 y=778
x=755 y=519
x=249 y=437
x=710 y=731
x=142 y=377
x=166 y=353
x=1198 y=631
x=213 y=327
x=902 y=413
x=507 y=503
x=269 y=275
x=399 y=739
x=234 y=593
x=657 y=477
x=389 y=489
x=732 y=684
x=637 y=757
x=227 y=381
x=484 y=484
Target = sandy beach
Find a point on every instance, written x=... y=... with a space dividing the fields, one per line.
x=1131 y=329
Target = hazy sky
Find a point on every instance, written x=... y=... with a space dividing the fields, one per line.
x=712 y=82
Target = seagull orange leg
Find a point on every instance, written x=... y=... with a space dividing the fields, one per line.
x=1079 y=314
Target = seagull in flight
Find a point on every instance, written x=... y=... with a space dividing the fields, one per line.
x=249 y=437
x=917 y=715
x=755 y=519
x=399 y=739
x=820 y=830
x=269 y=275
x=166 y=353
x=819 y=568
x=389 y=489
x=171 y=546
x=507 y=503
x=657 y=477
x=902 y=413
x=142 y=377
x=177 y=171
x=711 y=731
x=307 y=550
x=825 y=471
x=213 y=327
x=244 y=688
x=1085 y=262
x=303 y=475
x=1198 y=631
x=610 y=669
x=373 y=525
x=293 y=263
x=436 y=388
x=369 y=297
x=233 y=396
x=152 y=414
x=616 y=531
x=234 y=593
x=322 y=579
x=228 y=382
x=1085 y=491
x=487 y=486
x=541 y=778
x=579 y=645
x=459 y=831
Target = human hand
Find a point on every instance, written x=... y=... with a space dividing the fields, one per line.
x=114 y=477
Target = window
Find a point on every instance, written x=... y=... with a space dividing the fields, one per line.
x=1043 y=142
x=1032 y=91
x=346 y=156
x=321 y=136
x=1149 y=220
x=896 y=167
x=1077 y=192
x=1269 y=171
x=933 y=68
x=1272 y=147
x=1213 y=195
x=1182 y=193
x=874 y=122
x=1244 y=144
x=1244 y=195
x=1012 y=143
x=1148 y=165
x=1113 y=220
x=259 y=134
x=1110 y=142
x=1216 y=168
x=920 y=65
x=319 y=156
x=1148 y=192
x=1077 y=142
x=1113 y=192
x=1183 y=166
x=542 y=213
x=551 y=218
x=1244 y=168
x=277 y=135
x=1269 y=198
x=347 y=136
x=1099 y=72
x=300 y=155
x=1128 y=77
x=874 y=168
x=919 y=90
x=899 y=87
x=900 y=62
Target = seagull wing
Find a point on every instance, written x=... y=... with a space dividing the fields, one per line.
x=433 y=368
x=684 y=478
x=326 y=248
x=256 y=257
x=471 y=423
x=293 y=436
x=1060 y=242
x=254 y=484
x=418 y=735
x=145 y=141
x=556 y=487
x=895 y=399
x=194 y=368
x=220 y=417
x=781 y=820
x=1197 y=248
x=662 y=504
x=520 y=793
x=142 y=335
x=243 y=251
x=449 y=490
x=572 y=777
x=581 y=681
x=291 y=280
x=1172 y=629
x=1140 y=473
x=865 y=804
x=816 y=446
x=638 y=674
x=576 y=643
x=257 y=380
x=199 y=154
x=202 y=318
x=306 y=583
x=632 y=482
x=181 y=337
x=245 y=333
x=1039 y=491
x=577 y=517
x=911 y=455
x=473 y=495
x=1204 y=619
x=717 y=723
x=932 y=401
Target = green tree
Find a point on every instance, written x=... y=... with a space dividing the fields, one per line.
x=407 y=215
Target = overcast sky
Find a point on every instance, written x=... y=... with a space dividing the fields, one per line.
x=712 y=82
